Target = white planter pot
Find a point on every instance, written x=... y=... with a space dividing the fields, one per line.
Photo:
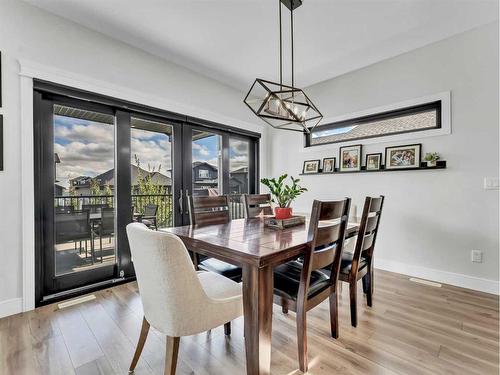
x=431 y=163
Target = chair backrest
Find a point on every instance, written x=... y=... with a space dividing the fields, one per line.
x=257 y=205
x=107 y=220
x=368 y=229
x=150 y=210
x=209 y=210
x=326 y=234
x=72 y=226
x=172 y=296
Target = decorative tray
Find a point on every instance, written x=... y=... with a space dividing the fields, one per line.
x=284 y=223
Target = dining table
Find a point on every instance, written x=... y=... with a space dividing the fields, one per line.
x=257 y=249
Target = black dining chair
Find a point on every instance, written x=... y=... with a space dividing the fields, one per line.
x=149 y=218
x=106 y=226
x=74 y=227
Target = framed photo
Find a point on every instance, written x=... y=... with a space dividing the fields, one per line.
x=373 y=161
x=329 y=165
x=401 y=157
x=350 y=158
x=311 y=166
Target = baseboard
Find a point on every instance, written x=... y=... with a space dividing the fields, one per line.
x=445 y=277
x=11 y=307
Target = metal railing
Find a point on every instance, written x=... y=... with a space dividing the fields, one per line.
x=164 y=215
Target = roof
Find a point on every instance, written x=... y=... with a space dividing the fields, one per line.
x=108 y=177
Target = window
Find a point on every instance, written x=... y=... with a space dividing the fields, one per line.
x=203 y=173
x=404 y=120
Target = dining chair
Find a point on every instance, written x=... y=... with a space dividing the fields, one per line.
x=357 y=263
x=149 y=217
x=212 y=210
x=106 y=226
x=177 y=300
x=301 y=285
x=257 y=205
x=73 y=227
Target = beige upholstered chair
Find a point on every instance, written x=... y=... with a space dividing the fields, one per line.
x=177 y=300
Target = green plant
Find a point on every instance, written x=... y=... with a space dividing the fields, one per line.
x=431 y=156
x=283 y=194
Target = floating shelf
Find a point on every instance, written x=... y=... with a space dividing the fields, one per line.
x=423 y=167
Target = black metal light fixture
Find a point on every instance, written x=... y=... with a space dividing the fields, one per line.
x=283 y=106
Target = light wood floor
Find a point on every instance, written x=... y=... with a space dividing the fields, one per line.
x=412 y=329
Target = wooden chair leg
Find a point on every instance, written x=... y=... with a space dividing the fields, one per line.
x=302 y=340
x=334 y=315
x=354 y=303
x=140 y=344
x=172 y=352
x=227 y=329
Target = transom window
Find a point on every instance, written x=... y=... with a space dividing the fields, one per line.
x=405 y=120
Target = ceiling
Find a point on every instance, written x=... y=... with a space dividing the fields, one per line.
x=236 y=41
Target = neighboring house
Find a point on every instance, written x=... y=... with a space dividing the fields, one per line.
x=205 y=178
x=81 y=184
x=238 y=181
x=59 y=190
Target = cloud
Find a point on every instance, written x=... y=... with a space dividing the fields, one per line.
x=201 y=150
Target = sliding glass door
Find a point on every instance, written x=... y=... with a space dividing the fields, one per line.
x=101 y=164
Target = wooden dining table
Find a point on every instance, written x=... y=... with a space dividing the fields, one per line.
x=257 y=249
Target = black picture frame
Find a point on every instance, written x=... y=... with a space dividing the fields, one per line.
x=379 y=154
x=316 y=170
x=415 y=164
x=334 y=164
x=360 y=155
x=1 y=142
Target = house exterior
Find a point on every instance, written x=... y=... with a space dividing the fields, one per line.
x=205 y=178
x=238 y=181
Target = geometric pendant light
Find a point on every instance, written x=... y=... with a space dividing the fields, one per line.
x=283 y=106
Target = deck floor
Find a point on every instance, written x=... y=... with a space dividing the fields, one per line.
x=411 y=329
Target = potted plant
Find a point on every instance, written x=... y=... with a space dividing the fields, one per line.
x=431 y=158
x=283 y=194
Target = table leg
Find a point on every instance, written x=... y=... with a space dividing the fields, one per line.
x=258 y=310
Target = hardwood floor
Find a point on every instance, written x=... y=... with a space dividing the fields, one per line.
x=411 y=329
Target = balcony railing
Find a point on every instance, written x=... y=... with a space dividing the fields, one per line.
x=164 y=202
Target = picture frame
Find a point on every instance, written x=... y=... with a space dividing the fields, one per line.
x=350 y=158
x=329 y=164
x=373 y=162
x=403 y=157
x=311 y=166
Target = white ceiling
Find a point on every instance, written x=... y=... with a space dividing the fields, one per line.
x=236 y=41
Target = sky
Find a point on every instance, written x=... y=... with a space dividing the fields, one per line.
x=86 y=148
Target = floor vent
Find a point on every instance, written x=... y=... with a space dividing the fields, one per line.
x=76 y=301
x=425 y=282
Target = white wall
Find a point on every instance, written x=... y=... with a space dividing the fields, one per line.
x=432 y=219
x=69 y=49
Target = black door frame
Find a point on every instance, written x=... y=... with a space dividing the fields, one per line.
x=44 y=95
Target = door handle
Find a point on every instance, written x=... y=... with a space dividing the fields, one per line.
x=181 y=204
x=187 y=195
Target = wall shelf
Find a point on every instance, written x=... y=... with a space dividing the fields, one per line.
x=441 y=164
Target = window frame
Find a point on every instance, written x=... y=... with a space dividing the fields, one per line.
x=440 y=102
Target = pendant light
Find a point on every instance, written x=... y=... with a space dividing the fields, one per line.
x=283 y=106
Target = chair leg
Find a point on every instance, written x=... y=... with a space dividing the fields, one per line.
x=140 y=344
x=172 y=351
x=334 y=315
x=100 y=245
x=369 y=287
x=365 y=282
x=227 y=329
x=302 y=339
x=354 y=303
